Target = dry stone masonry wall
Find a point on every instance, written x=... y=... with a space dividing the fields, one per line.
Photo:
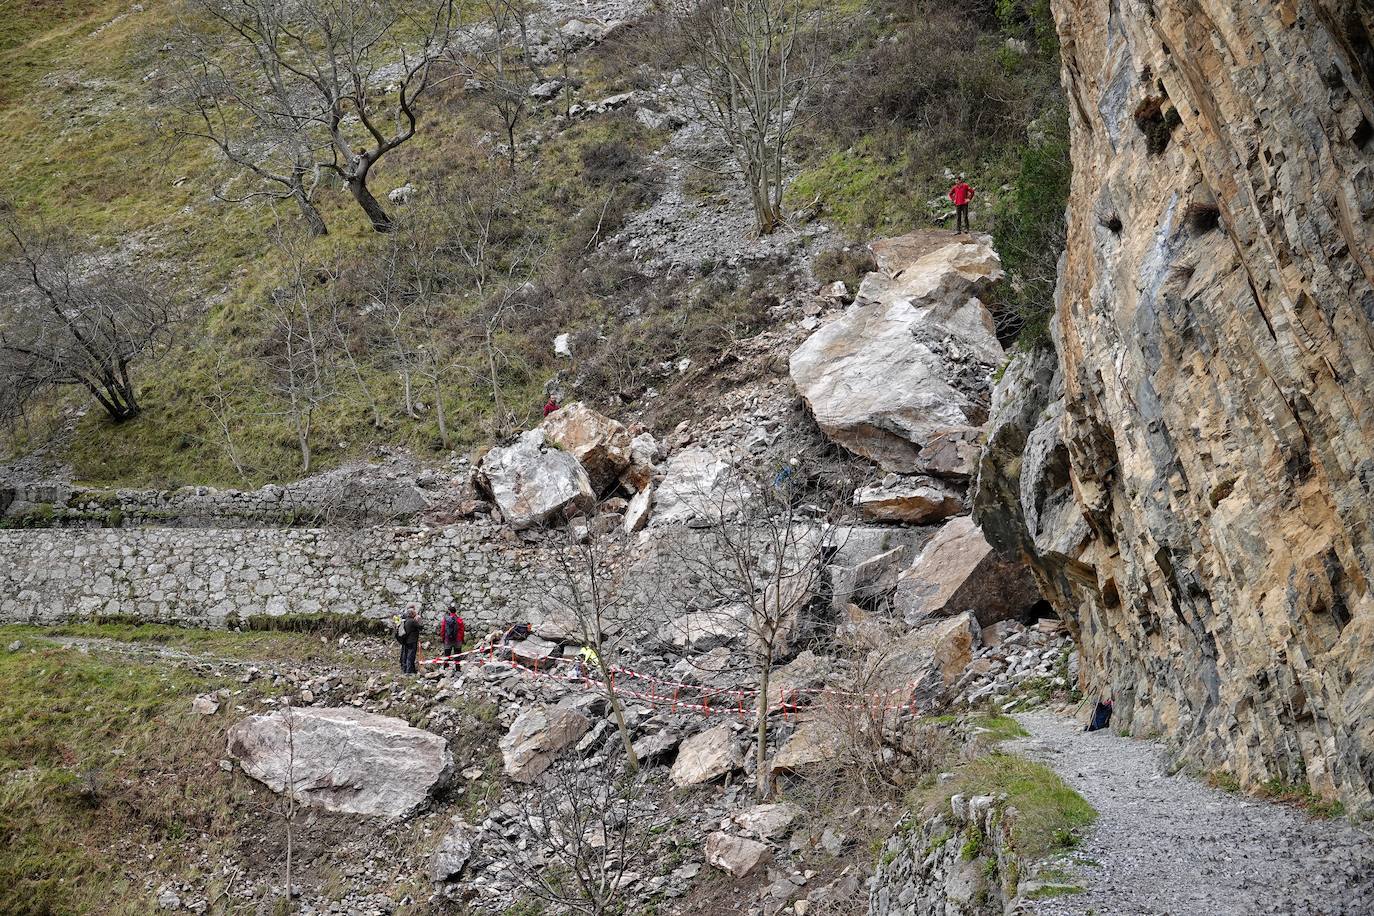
x=210 y=577
x=1210 y=480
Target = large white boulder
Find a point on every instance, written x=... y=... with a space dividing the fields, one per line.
x=532 y=483
x=602 y=445
x=343 y=759
x=912 y=360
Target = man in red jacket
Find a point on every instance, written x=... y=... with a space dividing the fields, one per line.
x=961 y=194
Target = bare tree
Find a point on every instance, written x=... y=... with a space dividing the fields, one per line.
x=287 y=90
x=290 y=803
x=500 y=65
x=588 y=585
x=757 y=564
x=297 y=350
x=68 y=317
x=590 y=827
x=219 y=403
x=752 y=67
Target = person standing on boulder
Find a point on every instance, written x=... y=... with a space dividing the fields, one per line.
x=451 y=635
x=961 y=194
x=408 y=635
x=550 y=406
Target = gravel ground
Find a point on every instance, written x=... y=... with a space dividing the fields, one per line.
x=1172 y=845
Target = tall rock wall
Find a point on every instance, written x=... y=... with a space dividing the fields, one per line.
x=1216 y=344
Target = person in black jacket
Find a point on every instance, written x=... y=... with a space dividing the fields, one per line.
x=408 y=635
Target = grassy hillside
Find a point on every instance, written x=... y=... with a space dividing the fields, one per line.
x=84 y=143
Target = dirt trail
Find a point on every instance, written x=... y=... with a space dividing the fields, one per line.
x=1172 y=845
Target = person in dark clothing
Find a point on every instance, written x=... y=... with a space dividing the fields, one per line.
x=408 y=635
x=1102 y=716
x=550 y=406
x=451 y=635
x=961 y=194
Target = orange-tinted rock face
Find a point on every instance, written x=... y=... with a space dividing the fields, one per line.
x=1216 y=321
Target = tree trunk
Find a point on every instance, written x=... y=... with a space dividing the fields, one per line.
x=630 y=759
x=313 y=220
x=303 y=440
x=763 y=783
x=439 y=413
x=380 y=221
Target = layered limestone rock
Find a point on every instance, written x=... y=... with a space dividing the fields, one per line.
x=1217 y=344
x=909 y=364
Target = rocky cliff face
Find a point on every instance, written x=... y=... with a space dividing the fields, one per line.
x=1201 y=511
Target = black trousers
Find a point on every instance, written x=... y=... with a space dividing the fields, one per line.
x=408 y=654
x=961 y=218
x=451 y=649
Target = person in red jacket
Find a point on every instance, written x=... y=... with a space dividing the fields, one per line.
x=550 y=406
x=451 y=635
x=961 y=194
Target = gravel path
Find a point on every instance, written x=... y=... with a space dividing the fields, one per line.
x=1172 y=845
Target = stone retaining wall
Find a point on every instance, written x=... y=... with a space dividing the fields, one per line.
x=209 y=577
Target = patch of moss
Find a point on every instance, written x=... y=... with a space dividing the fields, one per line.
x=1050 y=815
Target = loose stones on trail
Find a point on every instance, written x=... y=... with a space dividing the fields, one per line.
x=343 y=759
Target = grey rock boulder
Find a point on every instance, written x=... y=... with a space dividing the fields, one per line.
x=915 y=500
x=696 y=484
x=454 y=852
x=913 y=358
x=600 y=444
x=343 y=759
x=739 y=856
x=707 y=755
x=958 y=571
x=532 y=484
x=538 y=736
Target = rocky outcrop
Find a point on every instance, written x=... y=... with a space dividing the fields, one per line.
x=343 y=759
x=1216 y=312
x=911 y=361
x=532 y=483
